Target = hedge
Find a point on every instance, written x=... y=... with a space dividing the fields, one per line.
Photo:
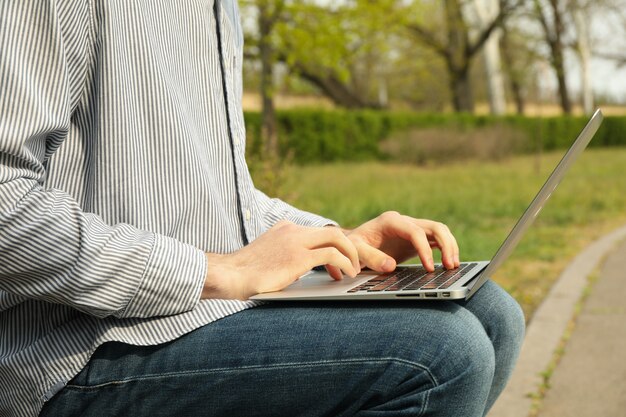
x=331 y=135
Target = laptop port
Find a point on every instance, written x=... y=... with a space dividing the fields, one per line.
x=431 y=295
x=445 y=294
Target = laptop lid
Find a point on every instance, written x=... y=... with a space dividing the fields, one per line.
x=539 y=201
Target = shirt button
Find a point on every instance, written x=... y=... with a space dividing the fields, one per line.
x=248 y=215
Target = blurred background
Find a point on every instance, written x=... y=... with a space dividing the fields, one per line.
x=455 y=110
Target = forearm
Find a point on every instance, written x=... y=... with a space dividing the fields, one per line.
x=51 y=250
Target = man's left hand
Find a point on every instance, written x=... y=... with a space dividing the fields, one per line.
x=392 y=238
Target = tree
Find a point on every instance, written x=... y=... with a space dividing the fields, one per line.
x=335 y=46
x=516 y=54
x=614 y=51
x=583 y=47
x=457 y=48
x=268 y=14
x=485 y=11
x=613 y=16
x=323 y=44
x=551 y=17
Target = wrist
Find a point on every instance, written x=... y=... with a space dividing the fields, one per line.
x=220 y=281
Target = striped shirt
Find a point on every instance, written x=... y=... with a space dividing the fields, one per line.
x=121 y=162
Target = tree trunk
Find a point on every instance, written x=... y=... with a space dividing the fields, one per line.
x=461 y=88
x=495 y=80
x=558 y=57
x=457 y=50
x=457 y=58
x=513 y=74
x=584 y=52
x=559 y=67
x=268 y=112
x=487 y=10
x=383 y=93
x=518 y=97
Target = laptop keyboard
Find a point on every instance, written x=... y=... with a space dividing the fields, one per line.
x=414 y=278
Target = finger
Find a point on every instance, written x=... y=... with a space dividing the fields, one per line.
x=410 y=231
x=447 y=243
x=457 y=255
x=455 y=250
x=375 y=259
x=334 y=272
x=332 y=256
x=455 y=247
x=320 y=237
x=424 y=251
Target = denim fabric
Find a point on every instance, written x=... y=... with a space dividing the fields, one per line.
x=313 y=359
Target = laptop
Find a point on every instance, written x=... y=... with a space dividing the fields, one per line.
x=413 y=282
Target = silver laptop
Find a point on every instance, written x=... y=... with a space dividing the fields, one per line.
x=413 y=282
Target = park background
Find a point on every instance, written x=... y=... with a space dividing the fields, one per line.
x=454 y=110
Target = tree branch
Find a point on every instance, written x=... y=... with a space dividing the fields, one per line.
x=428 y=38
x=620 y=60
x=334 y=88
x=506 y=9
x=543 y=20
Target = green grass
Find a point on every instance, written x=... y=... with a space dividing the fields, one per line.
x=480 y=202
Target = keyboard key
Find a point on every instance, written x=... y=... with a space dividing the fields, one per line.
x=460 y=275
x=412 y=278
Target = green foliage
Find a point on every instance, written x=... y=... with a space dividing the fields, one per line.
x=315 y=36
x=311 y=136
x=322 y=136
x=329 y=44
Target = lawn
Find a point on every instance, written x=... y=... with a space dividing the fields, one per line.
x=480 y=202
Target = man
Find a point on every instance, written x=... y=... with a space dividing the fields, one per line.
x=131 y=234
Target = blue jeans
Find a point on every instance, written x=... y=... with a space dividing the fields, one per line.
x=313 y=359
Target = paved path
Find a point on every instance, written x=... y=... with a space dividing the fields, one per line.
x=602 y=323
x=590 y=380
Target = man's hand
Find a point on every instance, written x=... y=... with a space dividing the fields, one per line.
x=392 y=238
x=278 y=258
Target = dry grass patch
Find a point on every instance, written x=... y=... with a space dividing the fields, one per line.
x=436 y=145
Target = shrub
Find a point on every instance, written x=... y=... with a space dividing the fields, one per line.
x=330 y=135
x=423 y=145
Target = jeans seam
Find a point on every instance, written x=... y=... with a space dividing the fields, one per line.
x=416 y=365
x=425 y=404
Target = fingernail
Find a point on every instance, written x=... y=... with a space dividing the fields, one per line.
x=387 y=265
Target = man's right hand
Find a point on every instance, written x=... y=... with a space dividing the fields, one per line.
x=276 y=259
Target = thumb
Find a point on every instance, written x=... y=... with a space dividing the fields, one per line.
x=375 y=259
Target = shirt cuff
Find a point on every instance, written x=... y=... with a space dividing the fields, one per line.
x=304 y=218
x=172 y=281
